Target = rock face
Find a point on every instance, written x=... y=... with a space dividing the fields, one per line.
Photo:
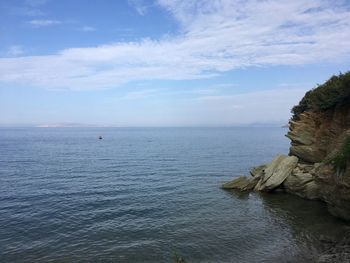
x=317 y=137
x=301 y=182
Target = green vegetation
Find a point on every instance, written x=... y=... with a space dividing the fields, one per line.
x=179 y=259
x=343 y=156
x=333 y=92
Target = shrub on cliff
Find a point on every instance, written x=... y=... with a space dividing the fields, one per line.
x=340 y=160
x=333 y=92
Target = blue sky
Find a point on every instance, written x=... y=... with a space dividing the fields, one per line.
x=166 y=62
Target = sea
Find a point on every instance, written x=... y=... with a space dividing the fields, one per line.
x=150 y=195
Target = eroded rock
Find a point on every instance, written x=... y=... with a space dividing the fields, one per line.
x=275 y=173
x=258 y=170
x=241 y=183
x=268 y=171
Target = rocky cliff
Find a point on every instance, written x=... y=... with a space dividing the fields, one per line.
x=318 y=165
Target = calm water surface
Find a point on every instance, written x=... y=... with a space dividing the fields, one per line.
x=141 y=195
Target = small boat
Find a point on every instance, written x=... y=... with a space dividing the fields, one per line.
x=100 y=137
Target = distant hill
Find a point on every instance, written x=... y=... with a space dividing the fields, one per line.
x=66 y=125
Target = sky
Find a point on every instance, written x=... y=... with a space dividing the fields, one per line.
x=166 y=62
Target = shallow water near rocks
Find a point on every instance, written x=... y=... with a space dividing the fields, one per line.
x=144 y=194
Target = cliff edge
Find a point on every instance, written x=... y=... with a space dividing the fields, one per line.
x=318 y=164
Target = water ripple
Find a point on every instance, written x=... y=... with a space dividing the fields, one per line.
x=140 y=195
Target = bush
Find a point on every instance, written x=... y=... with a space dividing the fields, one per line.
x=178 y=259
x=341 y=159
x=333 y=92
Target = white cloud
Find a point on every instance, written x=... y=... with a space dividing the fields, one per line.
x=217 y=36
x=139 y=94
x=268 y=106
x=15 y=50
x=140 y=6
x=87 y=29
x=26 y=11
x=44 y=22
x=265 y=107
x=31 y=8
x=36 y=2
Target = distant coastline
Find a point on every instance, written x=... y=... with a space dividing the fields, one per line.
x=87 y=125
x=68 y=125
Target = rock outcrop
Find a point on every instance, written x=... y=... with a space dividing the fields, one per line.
x=242 y=183
x=316 y=139
x=266 y=177
x=301 y=182
x=318 y=165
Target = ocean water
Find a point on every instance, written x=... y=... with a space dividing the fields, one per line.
x=146 y=194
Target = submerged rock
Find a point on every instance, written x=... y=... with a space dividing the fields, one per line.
x=336 y=251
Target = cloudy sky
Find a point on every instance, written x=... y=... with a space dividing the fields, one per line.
x=166 y=62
